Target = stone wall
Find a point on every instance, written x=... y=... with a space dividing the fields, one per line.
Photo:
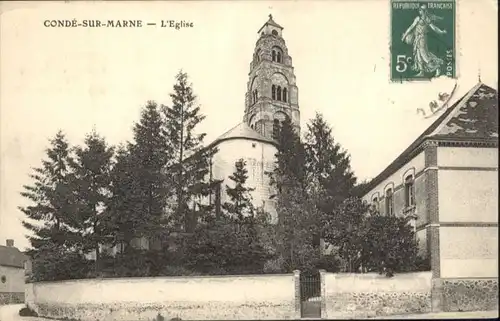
x=11 y=297
x=470 y=294
x=187 y=298
x=369 y=295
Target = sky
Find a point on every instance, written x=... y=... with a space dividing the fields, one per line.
x=77 y=79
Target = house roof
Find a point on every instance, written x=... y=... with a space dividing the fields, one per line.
x=473 y=117
x=11 y=256
x=270 y=22
x=242 y=130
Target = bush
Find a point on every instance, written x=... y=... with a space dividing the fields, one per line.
x=422 y=264
x=330 y=263
x=27 y=312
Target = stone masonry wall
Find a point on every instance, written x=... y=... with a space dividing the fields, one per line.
x=470 y=294
x=370 y=295
x=187 y=298
x=11 y=297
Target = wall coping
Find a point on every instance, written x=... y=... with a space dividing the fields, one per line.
x=138 y=278
x=375 y=275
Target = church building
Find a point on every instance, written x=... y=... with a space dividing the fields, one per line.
x=271 y=97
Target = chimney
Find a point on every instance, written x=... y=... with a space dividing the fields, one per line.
x=10 y=242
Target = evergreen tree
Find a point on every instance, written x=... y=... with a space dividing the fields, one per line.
x=299 y=222
x=123 y=216
x=190 y=164
x=151 y=153
x=328 y=167
x=240 y=205
x=47 y=219
x=290 y=160
x=90 y=183
x=298 y=219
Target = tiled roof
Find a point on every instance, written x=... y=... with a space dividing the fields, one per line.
x=472 y=117
x=271 y=22
x=242 y=130
x=11 y=256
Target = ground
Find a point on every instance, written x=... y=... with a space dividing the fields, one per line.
x=11 y=313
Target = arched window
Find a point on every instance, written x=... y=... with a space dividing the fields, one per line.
x=389 y=203
x=278 y=94
x=285 y=95
x=273 y=92
x=274 y=55
x=375 y=204
x=279 y=57
x=276 y=128
x=409 y=191
x=251 y=126
x=255 y=96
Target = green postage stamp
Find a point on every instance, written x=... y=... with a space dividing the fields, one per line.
x=422 y=39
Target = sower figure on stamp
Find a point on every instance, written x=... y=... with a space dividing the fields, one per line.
x=424 y=61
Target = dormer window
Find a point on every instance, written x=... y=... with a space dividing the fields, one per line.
x=274 y=32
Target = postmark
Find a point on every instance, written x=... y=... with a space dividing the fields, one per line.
x=422 y=39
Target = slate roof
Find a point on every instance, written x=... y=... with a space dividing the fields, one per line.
x=476 y=118
x=473 y=117
x=11 y=256
x=242 y=130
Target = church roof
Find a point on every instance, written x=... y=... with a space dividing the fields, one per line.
x=242 y=130
x=473 y=117
x=270 y=22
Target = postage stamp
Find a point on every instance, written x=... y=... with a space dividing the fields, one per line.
x=422 y=39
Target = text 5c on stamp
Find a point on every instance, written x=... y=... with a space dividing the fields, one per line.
x=422 y=39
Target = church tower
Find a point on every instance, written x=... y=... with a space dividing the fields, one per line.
x=272 y=94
